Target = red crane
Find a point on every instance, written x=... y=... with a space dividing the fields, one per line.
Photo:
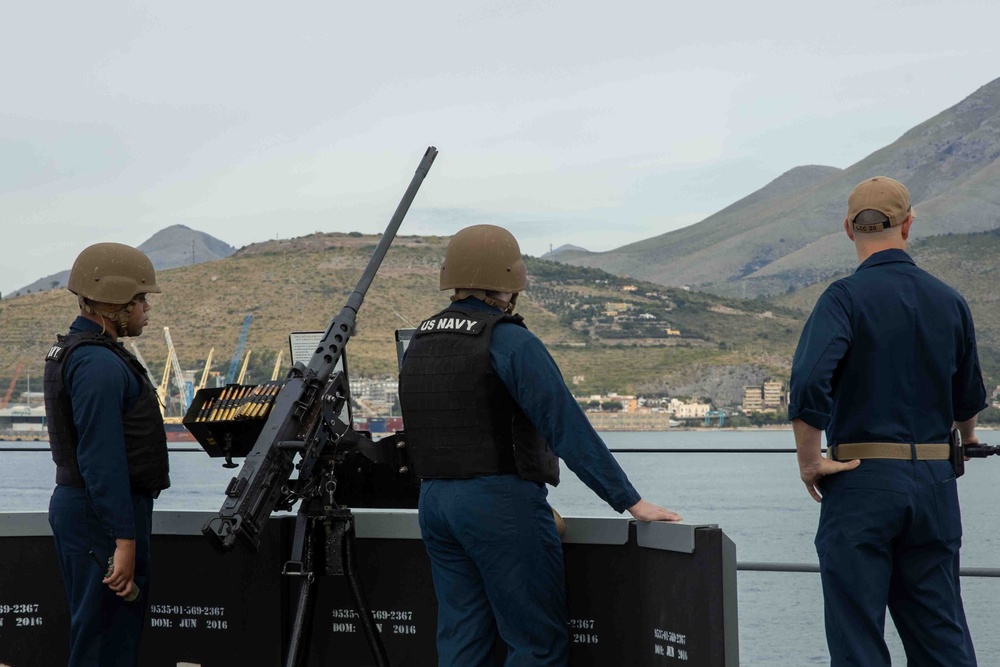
x=10 y=389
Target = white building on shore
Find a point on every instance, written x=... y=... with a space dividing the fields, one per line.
x=23 y=422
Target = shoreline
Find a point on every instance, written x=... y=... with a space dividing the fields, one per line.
x=695 y=429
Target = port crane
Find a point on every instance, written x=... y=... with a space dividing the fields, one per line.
x=161 y=389
x=138 y=355
x=718 y=414
x=10 y=389
x=178 y=373
x=277 y=365
x=243 y=370
x=204 y=373
x=234 y=364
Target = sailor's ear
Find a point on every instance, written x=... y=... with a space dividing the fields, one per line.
x=848 y=230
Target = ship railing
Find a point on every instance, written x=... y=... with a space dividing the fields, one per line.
x=741 y=566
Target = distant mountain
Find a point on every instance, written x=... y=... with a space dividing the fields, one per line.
x=168 y=248
x=645 y=259
x=789 y=233
x=178 y=245
x=563 y=250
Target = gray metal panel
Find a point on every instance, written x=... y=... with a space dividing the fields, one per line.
x=180 y=522
x=24 y=524
x=401 y=524
x=596 y=530
x=668 y=536
x=371 y=523
x=165 y=522
x=395 y=524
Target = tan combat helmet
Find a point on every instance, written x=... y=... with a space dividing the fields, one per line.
x=484 y=257
x=112 y=273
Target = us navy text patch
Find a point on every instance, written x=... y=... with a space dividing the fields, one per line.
x=451 y=325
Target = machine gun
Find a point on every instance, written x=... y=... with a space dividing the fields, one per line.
x=306 y=422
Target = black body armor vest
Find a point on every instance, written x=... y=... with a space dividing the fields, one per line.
x=145 y=439
x=460 y=419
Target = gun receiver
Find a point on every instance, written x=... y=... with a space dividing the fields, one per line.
x=304 y=420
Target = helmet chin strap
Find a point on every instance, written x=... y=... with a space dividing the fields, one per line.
x=120 y=317
x=505 y=306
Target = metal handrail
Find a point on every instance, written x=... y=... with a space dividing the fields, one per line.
x=706 y=450
x=766 y=566
x=626 y=450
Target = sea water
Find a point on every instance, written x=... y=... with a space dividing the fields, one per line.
x=757 y=499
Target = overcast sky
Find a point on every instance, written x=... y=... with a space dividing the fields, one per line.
x=595 y=124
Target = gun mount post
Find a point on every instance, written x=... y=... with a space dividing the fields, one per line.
x=323 y=545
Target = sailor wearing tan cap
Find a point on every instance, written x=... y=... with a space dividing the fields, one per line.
x=887 y=365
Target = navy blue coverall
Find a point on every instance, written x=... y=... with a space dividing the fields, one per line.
x=889 y=355
x=495 y=554
x=104 y=629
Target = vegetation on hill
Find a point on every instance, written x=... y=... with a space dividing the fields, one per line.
x=608 y=333
x=299 y=284
x=967 y=262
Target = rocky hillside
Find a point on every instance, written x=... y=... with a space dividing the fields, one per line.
x=787 y=235
x=967 y=262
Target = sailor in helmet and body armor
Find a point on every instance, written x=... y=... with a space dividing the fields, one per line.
x=108 y=443
x=488 y=416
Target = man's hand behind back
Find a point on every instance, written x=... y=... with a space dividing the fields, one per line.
x=646 y=511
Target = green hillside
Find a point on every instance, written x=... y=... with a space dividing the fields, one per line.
x=967 y=262
x=661 y=338
x=658 y=339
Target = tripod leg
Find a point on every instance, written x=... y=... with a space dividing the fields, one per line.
x=361 y=603
x=298 y=641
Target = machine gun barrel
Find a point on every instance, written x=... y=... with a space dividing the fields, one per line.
x=342 y=326
x=293 y=420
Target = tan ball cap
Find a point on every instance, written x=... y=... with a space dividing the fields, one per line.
x=112 y=273
x=484 y=257
x=882 y=194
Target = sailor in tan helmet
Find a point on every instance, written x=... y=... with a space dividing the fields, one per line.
x=111 y=281
x=110 y=450
x=488 y=416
